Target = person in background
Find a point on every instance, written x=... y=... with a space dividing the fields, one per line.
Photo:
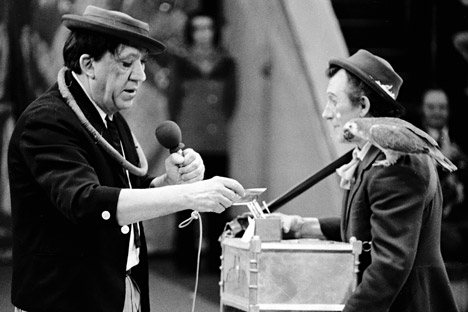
x=395 y=211
x=79 y=188
x=6 y=126
x=435 y=118
x=201 y=99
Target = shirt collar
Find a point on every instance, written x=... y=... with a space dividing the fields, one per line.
x=99 y=109
x=362 y=152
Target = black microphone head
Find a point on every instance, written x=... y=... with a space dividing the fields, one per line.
x=169 y=135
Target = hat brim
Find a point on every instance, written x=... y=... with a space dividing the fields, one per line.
x=368 y=81
x=75 y=22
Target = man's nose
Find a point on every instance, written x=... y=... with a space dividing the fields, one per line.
x=328 y=112
x=138 y=72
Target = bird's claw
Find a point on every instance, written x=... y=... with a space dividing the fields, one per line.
x=383 y=163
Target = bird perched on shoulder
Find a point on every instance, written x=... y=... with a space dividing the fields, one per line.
x=394 y=137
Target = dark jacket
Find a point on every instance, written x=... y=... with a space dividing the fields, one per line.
x=398 y=210
x=67 y=254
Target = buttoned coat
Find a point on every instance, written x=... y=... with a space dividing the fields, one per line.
x=396 y=211
x=69 y=252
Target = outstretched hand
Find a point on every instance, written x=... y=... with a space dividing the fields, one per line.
x=213 y=195
x=291 y=224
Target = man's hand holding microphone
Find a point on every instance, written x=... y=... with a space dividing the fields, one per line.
x=184 y=167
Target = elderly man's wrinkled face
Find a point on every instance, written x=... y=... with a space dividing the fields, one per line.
x=117 y=78
x=339 y=108
x=435 y=109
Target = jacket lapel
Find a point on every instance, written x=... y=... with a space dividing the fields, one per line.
x=85 y=104
x=95 y=119
x=127 y=141
x=344 y=215
x=348 y=198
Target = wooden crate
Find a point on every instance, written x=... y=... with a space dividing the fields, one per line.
x=290 y=275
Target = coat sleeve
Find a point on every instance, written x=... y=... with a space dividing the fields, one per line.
x=67 y=165
x=397 y=197
x=331 y=228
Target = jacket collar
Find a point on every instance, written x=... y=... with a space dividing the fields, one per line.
x=88 y=108
x=369 y=159
x=365 y=164
x=372 y=154
x=91 y=113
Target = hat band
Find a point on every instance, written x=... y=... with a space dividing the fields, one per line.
x=385 y=87
x=127 y=26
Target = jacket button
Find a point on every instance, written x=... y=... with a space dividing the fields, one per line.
x=125 y=229
x=105 y=215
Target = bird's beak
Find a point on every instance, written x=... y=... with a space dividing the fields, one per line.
x=348 y=135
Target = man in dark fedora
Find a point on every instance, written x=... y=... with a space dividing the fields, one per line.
x=395 y=211
x=79 y=188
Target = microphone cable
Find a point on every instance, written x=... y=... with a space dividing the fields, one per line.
x=195 y=215
x=168 y=135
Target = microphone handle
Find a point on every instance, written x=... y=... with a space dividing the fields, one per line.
x=177 y=149
x=309 y=182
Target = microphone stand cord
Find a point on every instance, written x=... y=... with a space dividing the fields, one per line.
x=195 y=216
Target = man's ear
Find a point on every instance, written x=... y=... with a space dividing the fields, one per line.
x=365 y=106
x=87 y=65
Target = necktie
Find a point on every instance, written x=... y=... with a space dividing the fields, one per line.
x=346 y=172
x=115 y=142
x=113 y=135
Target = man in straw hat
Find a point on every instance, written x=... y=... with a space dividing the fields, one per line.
x=395 y=211
x=78 y=177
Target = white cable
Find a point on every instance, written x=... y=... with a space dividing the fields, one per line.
x=195 y=215
x=66 y=94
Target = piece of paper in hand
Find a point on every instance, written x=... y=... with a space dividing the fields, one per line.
x=250 y=195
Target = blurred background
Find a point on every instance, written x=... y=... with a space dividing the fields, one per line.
x=273 y=134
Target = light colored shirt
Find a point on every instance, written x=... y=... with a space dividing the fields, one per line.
x=346 y=172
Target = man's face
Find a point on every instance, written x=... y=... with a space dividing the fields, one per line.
x=339 y=108
x=435 y=109
x=117 y=78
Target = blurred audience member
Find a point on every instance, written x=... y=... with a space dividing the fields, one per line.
x=435 y=113
x=6 y=125
x=460 y=41
x=435 y=116
x=201 y=99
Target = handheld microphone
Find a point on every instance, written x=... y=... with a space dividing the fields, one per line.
x=169 y=135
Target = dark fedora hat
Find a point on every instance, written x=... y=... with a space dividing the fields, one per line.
x=116 y=24
x=375 y=72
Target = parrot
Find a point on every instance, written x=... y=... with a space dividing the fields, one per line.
x=394 y=137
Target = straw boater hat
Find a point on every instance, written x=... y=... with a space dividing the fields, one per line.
x=375 y=72
x=116 y=24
